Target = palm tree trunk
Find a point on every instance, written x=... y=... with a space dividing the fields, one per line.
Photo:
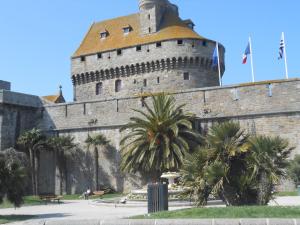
x=31 y=158
x=96 y=155
x=36 y=172
x=66 y=174
x=61 y=172
x=60 y=181
x=262 y=189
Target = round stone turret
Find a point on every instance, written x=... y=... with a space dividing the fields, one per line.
x=148 y=4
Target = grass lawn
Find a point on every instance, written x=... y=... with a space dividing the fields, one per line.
x=227 y=212
x=13 y=218
x=28 y=201
x=287 y=193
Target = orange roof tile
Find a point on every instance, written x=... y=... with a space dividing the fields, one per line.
x=172 y=28
x=51 y=98
x=54 y=98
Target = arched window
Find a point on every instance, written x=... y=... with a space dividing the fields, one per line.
x=99 y=88
x=118 y=85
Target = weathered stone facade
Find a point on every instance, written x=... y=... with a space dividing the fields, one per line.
x=162 y=67
x=110 y=80
x=4 y=85
x=18 y=113
x=270 y=108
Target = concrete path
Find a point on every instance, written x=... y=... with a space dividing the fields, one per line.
x=75 y=210
x=86 y=210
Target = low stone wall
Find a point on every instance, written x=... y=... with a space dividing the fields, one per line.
x=177 y=222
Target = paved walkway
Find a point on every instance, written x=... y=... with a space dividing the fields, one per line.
x=86 y=210
x=76 y=210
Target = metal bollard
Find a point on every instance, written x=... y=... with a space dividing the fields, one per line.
x=158 y=198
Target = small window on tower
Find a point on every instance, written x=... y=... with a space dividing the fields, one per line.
x=149 y=16
x=158 y=44
x=204 y=43
x=138 y=48
x=119 y=52
x=193 y=44
x=145 y=82
x=99 y=87
x=180 y=42
x=158 y=80
x=149 y=29
x=118 y=85
x=186 y=76
x=99 y=55
x=82 y=58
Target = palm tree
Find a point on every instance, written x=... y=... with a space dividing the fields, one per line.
x=294 y=169
x=64 y=148
x=33 y=141
x=159 y=139
x=267 y=162
x=96 y=141
x=13 y=176
x=217 y=166
x=241 y=170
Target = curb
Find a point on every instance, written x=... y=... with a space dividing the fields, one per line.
x=174 y=222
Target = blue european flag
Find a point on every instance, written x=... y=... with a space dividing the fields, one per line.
x=215 y=57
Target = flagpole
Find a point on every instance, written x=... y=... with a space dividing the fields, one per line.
x=285 y=59
x=251 y=55
x=219 y=67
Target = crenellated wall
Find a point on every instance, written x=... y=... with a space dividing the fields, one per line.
x=168 y=63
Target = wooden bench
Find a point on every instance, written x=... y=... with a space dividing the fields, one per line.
x=50 y=197
x=98 y=193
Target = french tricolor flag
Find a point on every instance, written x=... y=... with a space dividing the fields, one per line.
x=247 y=52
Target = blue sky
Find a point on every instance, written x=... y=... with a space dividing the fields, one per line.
x=39 y=36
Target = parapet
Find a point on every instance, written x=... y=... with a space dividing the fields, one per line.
x=19 y=99
x=4 y=85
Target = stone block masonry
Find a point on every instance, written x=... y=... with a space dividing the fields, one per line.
x=268 y=108
x=162 y=67
x=18 y=113
x=4 y=85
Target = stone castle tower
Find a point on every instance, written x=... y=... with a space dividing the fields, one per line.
x=152 y=51
x=151 y=14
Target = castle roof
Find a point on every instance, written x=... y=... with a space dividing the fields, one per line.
x=172 y=27
x=54 y=99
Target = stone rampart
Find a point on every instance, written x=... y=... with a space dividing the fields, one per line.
x=265 y=98
x=269 y=108
x=4 y=85
x=18 y=113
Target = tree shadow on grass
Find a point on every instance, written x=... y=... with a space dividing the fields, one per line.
x=15 y=218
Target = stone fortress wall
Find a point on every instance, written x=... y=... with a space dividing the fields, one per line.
x=269 y=108
x=4 y=85
x=162 y=67
x=18 y=113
